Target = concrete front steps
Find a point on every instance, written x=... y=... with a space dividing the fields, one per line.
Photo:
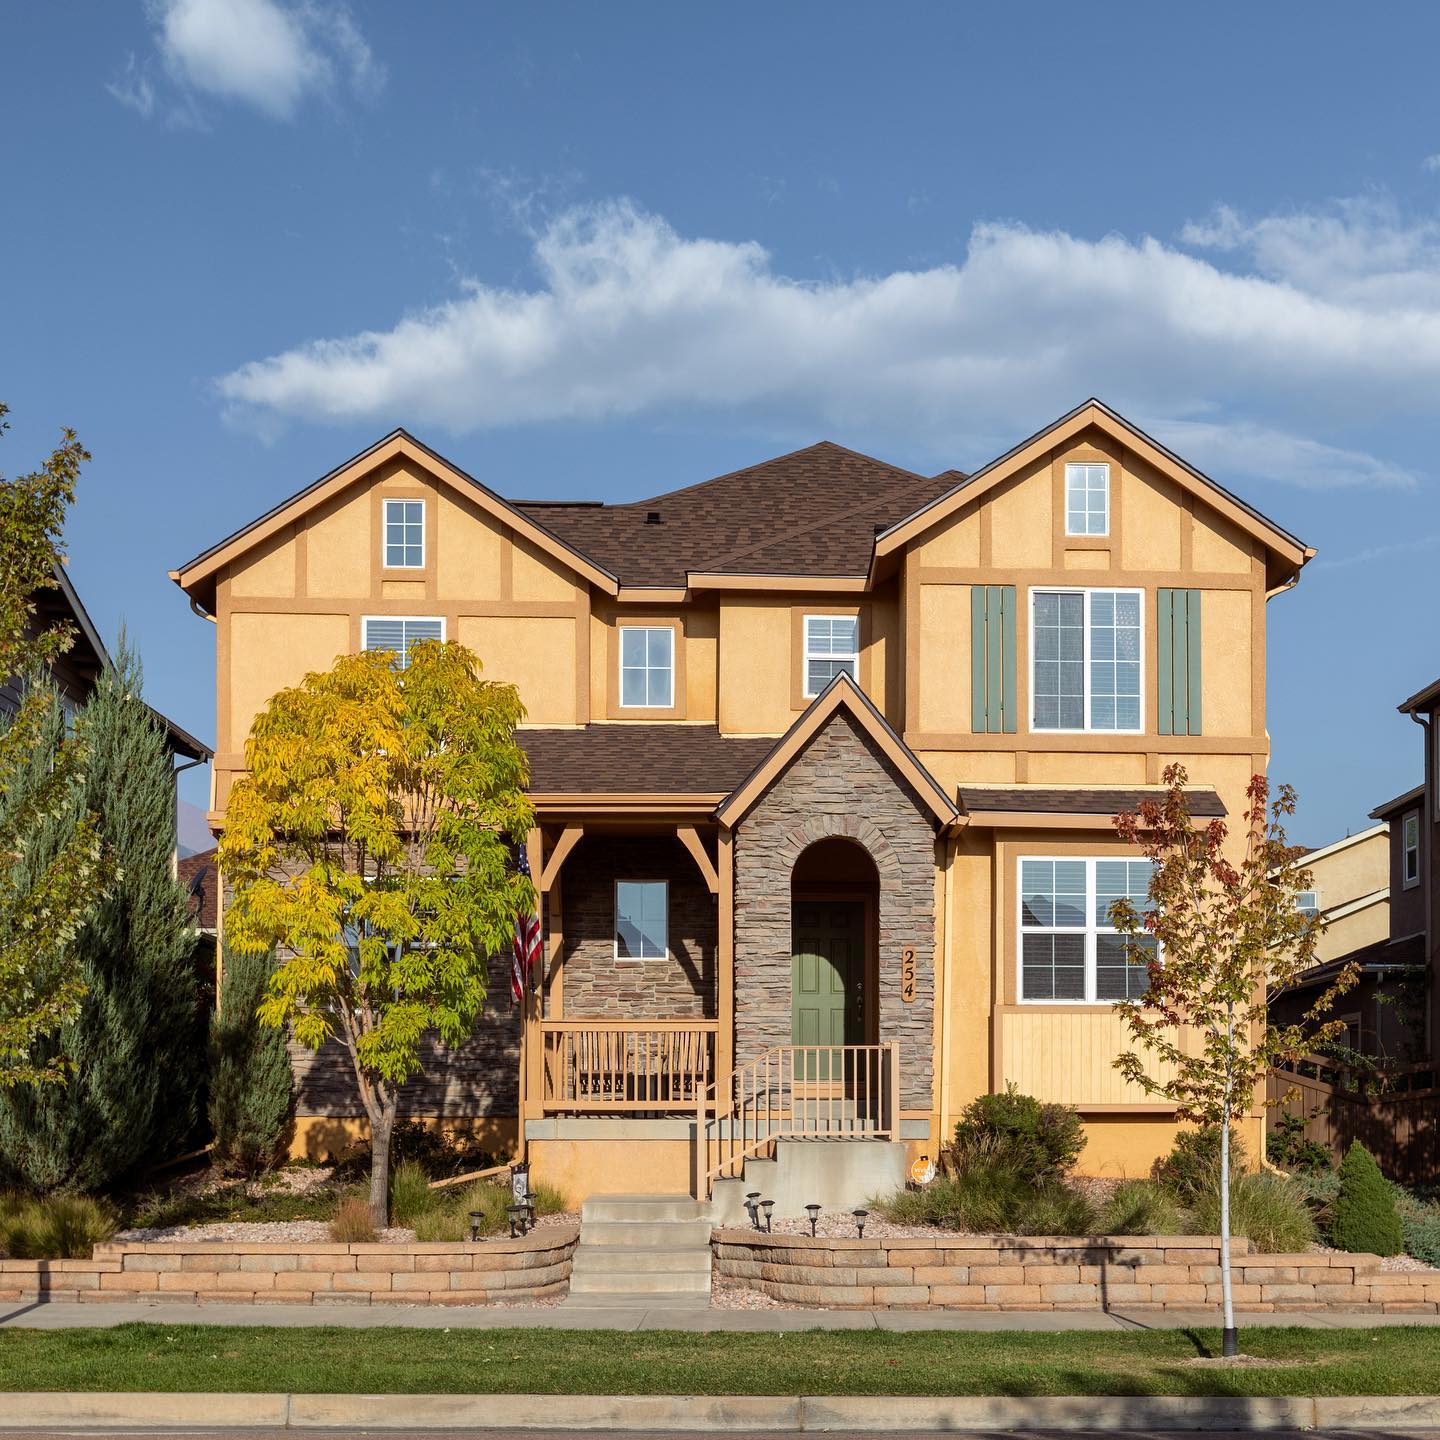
x=650 y=1251
x=835 y=1174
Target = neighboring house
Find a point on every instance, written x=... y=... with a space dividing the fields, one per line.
x=76 y=671
x=200 y=878
x=1351 y=893
x=1415 y=875
x=825 y=756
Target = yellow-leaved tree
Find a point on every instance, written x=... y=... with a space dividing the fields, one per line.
x=372 y=845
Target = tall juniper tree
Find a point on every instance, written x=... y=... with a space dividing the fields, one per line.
x=136 y=1049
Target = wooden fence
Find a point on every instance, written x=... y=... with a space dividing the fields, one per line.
x=1395 y=1115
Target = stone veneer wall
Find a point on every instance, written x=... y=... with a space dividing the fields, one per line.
x=839 y=786
x=600 y=986
x=492 y=1272
x=1129 y=1272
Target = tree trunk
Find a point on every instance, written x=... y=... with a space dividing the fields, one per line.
x=380 y=1131
x=1230 y=1340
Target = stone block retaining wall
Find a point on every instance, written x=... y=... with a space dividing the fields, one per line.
x=1058 y=1273
x=492 y=1272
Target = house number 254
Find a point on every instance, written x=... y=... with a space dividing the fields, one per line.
x=907 y=974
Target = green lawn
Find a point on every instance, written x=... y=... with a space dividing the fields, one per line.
x=1401 y=1361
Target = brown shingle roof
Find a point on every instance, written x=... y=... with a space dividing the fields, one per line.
x=1059 y=800
x=201 y=882
x=812 y=512
x=639 y=759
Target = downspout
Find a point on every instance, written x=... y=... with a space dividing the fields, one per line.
x=1427 y=871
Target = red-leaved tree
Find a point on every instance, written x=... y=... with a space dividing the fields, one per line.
x=1219 y=936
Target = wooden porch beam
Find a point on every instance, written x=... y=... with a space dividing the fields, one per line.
x=569 y=838
x=689 y=837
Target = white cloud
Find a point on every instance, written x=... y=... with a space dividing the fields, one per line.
x=1431 y=163
x=1316 y=319
x=262 y=53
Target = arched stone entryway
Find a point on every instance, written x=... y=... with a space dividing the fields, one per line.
x=841 y=786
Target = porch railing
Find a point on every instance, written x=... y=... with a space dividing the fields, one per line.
x=607 y=1067
x=810 y=1092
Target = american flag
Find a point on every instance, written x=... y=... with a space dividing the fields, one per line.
x=526 y=948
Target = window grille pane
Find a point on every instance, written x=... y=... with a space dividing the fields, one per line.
x=640 y=919
x=1058 y=678
x=1052 y=892
x=1121 y=880
x=1053 y=967
x=1116 y=977
x=1114 y=661
x=633 y=689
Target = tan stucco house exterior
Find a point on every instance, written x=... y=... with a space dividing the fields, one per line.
x=824 y=755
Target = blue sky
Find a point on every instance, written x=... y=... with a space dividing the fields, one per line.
x=608 y=250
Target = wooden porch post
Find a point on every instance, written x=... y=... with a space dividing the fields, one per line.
x=725 y=969
x=532 y=1046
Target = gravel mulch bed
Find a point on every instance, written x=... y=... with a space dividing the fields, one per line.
x=841 y=1226
x=281 y=1232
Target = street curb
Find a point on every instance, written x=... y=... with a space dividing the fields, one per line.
x=102 y=1410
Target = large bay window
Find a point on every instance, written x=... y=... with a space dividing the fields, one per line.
x=1085 y=660
x=1069 y=950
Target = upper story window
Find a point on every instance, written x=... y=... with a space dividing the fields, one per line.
x=399 y=633
x=404 y=534
x=1410 y=850
x=647 y=666
x=1307 y=902
x=1069 y=950
x=1085 y=660
x=1087 y=499
x=642 y=919
x=832 y=647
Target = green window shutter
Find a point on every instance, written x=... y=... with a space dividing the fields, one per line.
x=1178 y=688
x=992 y=659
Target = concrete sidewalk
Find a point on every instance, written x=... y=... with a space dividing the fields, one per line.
x=62 y=1316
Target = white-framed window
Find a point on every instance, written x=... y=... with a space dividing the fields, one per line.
x=1086 y=660
x=1410 y=850
x=647 y=666
x=1307 y=902
x=399 y=633
x=1087 y=499
x=642 y=919
x=1068 y=949
x=404 y=534
x=832 y=647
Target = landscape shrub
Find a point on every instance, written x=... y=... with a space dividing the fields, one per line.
x=1141 y=1207
x=54 y=1227
x=1420 y=1223
x=352 y=1223
x=1365 y=1218
x=250 y=1081
x=1191 y=1171
x=1035 y=1140
x=1287 y=1147
x=1320 y=1189
x=985 y=1191
x=1269 y=1210
x=410 y=1193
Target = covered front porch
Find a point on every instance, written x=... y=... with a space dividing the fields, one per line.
x=727 y=969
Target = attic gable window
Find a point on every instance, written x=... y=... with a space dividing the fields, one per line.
x=1087 y=499
x=404 y=534
x=399 y=633
x=832 y=647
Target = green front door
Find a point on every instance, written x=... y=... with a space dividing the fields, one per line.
x=827 y=979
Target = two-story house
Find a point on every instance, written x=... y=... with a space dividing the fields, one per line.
x=824 y=755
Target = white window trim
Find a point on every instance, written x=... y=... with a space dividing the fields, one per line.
x=366 y=619
x=620 y=664
x=1087 y=591
x=806 y=657
x=385 y=505
x=615 y=915
x=1089 y=931
x=1065 y=498
x=1406 y=850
